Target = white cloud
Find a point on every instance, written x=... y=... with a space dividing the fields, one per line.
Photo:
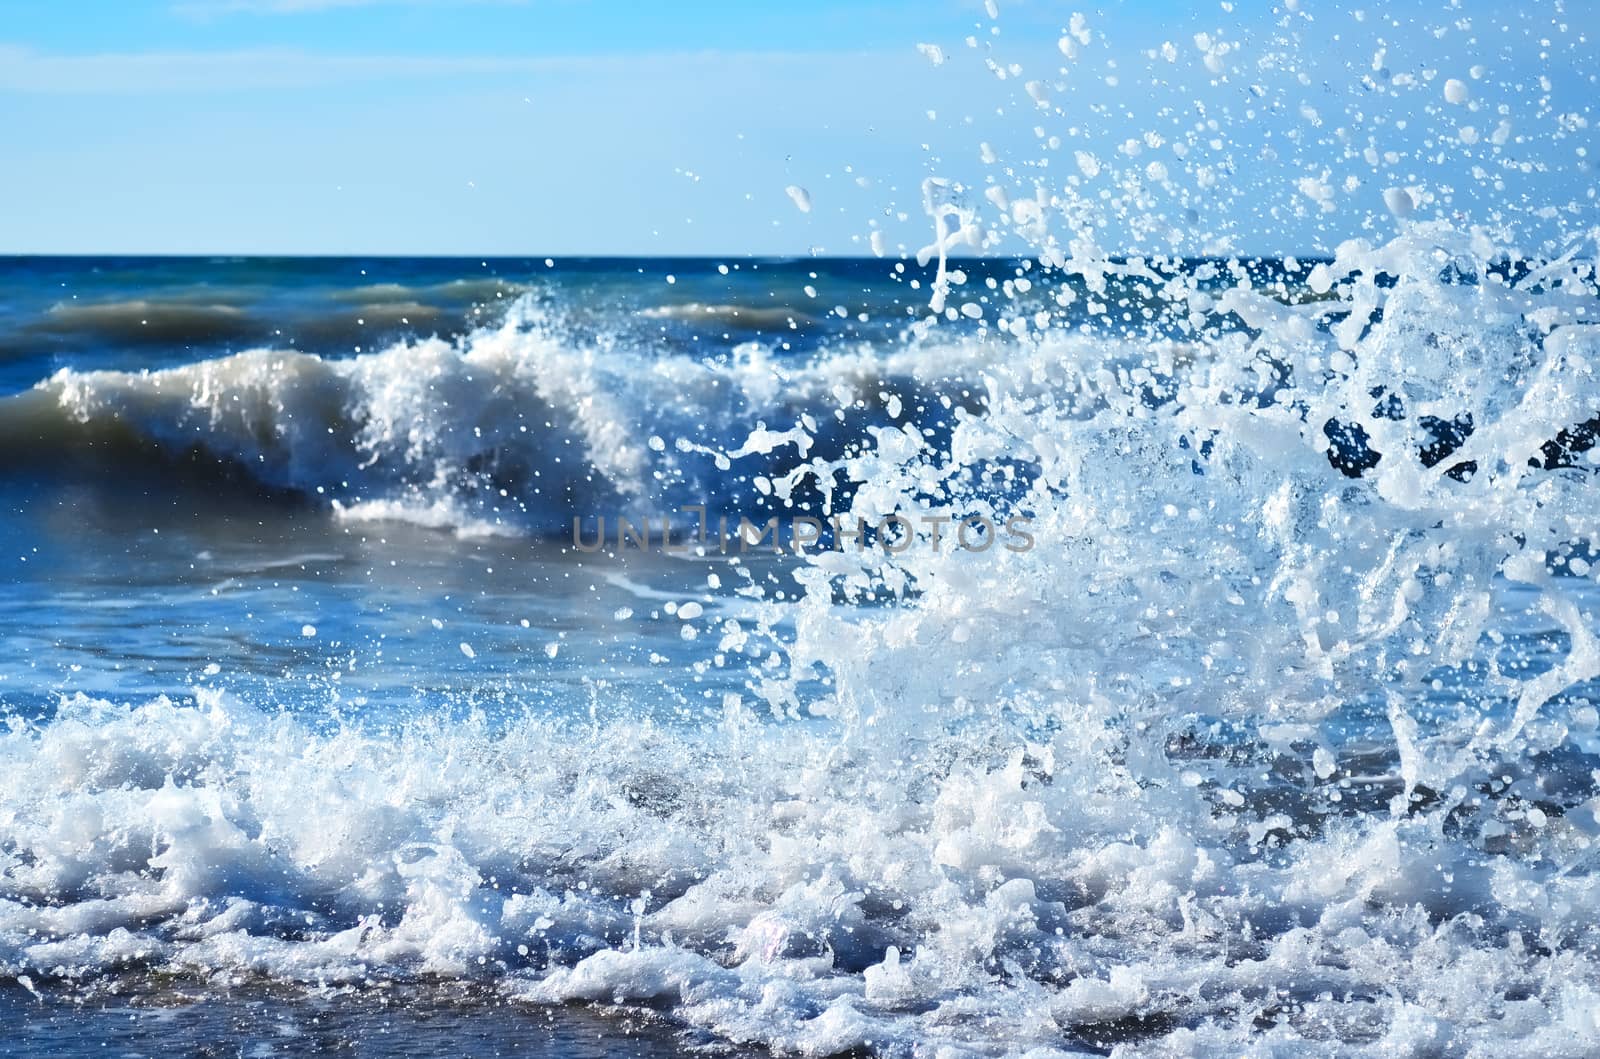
x=23 y=70
x=215 y=8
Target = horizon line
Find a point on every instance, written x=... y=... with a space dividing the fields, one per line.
x=1119 y=257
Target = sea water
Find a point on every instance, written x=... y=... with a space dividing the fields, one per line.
x=1280 y=736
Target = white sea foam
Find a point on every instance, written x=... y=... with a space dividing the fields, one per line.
x=774 y=318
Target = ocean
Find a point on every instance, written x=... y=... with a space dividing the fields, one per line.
x=816 y=656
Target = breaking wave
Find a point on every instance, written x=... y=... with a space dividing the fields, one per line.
x=515 y=428
x=1251 y=751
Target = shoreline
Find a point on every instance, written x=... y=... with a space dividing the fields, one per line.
x=161 y=1015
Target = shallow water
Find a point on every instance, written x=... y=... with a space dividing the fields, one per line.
x=255 y=1020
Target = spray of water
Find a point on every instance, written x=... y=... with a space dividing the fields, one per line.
x=1282 y=736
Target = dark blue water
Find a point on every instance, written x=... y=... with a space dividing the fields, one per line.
x=133 y=313
x=146 y=556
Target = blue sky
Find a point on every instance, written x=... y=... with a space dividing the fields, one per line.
x=487 y=127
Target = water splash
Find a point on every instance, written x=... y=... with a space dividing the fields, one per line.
x=1282 y=737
